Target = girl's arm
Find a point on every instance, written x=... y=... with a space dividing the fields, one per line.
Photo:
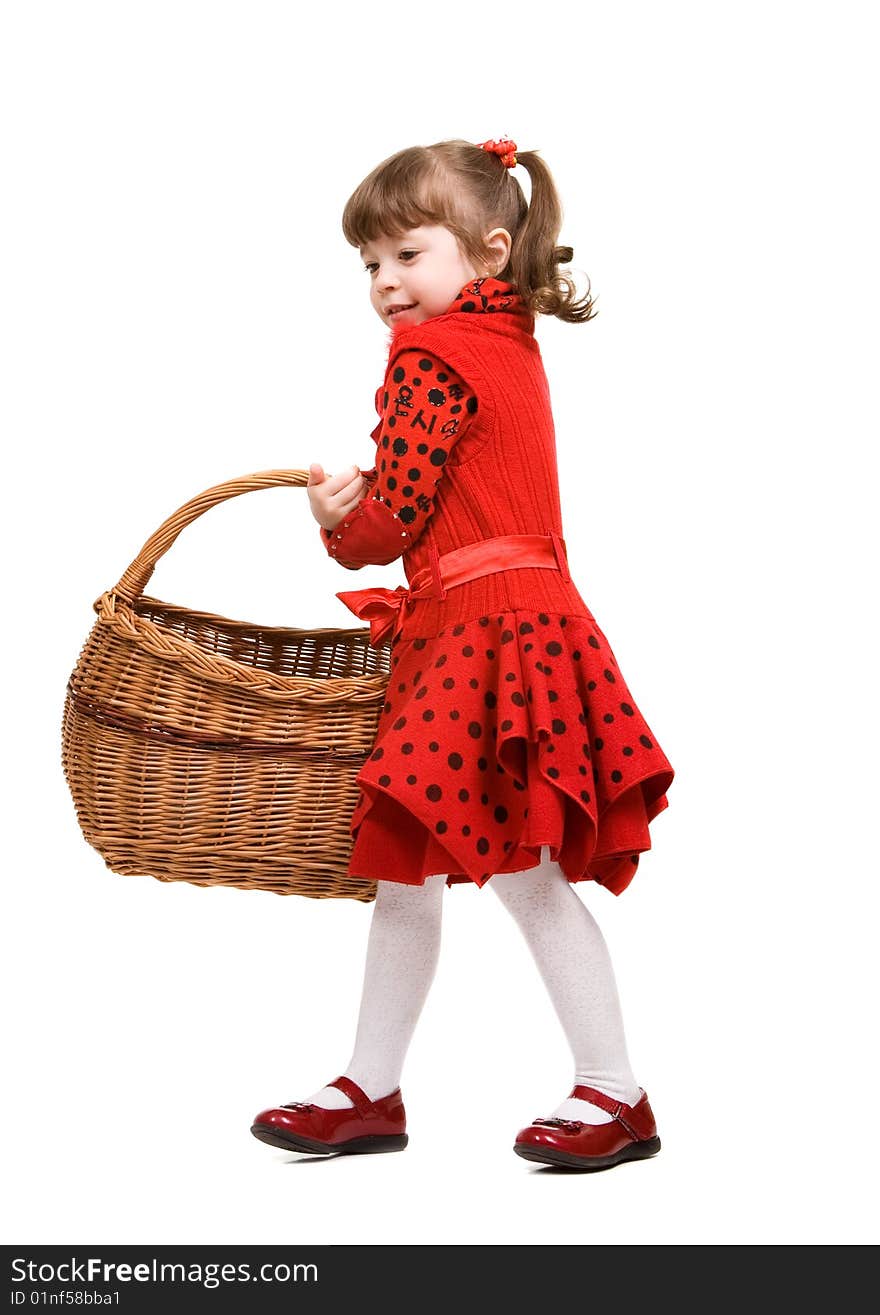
x=424 y=413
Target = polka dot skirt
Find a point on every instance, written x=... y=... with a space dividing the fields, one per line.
x=497 y=737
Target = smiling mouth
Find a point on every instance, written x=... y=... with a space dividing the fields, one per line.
x=395 y=310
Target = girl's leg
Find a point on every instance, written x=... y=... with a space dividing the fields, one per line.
x=402 y=954
x=573 y=960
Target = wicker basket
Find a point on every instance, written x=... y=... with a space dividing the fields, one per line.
x=220 y=752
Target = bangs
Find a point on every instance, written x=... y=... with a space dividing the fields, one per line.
x=409 y=189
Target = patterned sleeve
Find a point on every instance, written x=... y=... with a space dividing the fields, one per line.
x=425 y=407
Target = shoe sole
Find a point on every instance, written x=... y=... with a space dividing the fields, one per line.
x=356 y=1146
x=640 y=1150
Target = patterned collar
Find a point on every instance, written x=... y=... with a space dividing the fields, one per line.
x=487 y=294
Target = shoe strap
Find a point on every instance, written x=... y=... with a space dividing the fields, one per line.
x=356 y=1095
x=611 y=1106
x=607 y=1103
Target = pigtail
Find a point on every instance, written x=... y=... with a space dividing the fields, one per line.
x=535 y=258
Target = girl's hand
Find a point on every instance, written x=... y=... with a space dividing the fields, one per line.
x=332 y=497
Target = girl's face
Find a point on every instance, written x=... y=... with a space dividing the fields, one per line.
x=423 y=271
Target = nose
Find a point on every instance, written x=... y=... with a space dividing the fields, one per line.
x=387 y=278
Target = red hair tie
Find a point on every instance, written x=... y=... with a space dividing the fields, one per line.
x=504 y=148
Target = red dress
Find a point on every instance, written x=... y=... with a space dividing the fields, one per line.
x=508 y=724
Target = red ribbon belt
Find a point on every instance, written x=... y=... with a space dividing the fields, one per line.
x=383 y=608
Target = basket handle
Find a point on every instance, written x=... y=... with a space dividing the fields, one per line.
x=133 y=581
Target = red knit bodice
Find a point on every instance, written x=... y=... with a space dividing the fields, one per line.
x=501 y=477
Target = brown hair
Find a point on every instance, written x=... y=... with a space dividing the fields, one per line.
x=469 y=191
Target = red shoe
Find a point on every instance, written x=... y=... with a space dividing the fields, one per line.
x=372 y=1125
x=632 y=1135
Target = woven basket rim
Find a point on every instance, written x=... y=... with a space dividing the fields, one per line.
x=181 y=608
x=120 y=614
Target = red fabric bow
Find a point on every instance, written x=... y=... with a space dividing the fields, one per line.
x=383 y=608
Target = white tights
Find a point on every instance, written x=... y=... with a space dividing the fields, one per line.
x=571 y=956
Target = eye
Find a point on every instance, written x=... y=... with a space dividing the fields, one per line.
x=371 y=265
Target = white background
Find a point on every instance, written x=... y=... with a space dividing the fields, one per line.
x=180 y=307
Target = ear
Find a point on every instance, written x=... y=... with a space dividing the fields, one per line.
x=499 y=243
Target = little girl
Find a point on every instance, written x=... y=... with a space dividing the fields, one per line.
x=510 y=752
